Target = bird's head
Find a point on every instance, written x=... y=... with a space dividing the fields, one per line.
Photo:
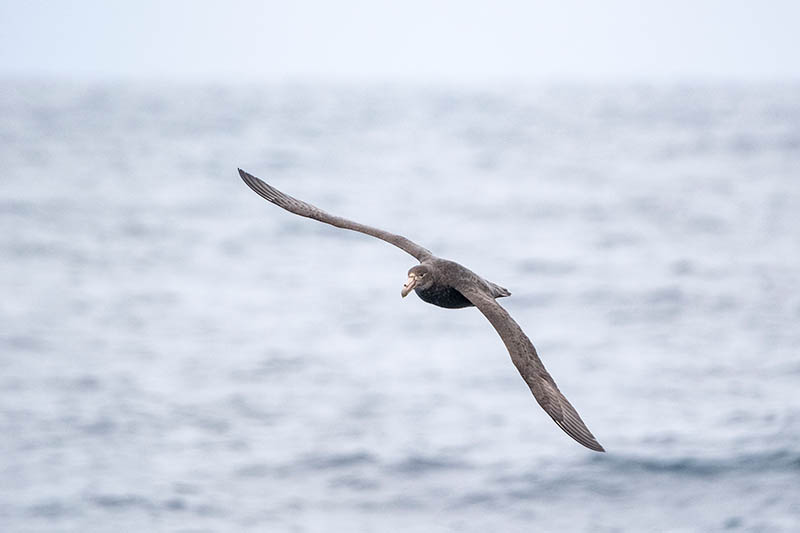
x=419 y=277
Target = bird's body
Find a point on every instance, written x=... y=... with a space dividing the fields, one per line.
x=443 y=296
x=446 y=275
x=450 y=285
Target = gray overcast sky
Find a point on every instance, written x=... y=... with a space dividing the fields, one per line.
x=421 y=40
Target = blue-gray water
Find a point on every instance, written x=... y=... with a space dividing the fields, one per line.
x=176 y=354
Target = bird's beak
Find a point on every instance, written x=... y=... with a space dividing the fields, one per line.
x=409 y=286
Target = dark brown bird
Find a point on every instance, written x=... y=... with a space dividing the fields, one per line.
x=448 y=284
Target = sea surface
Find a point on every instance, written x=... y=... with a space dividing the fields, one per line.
x=178 y=355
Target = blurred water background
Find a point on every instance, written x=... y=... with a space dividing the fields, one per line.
x=176 y=354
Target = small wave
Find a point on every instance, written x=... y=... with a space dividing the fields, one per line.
x=665 y=296
x=117 y=501
x=134 y=501
x=101 y=426
x=22 y=343
x=356 y=483
x=476 y=499
x=49 y=509
x=314 y=463
x=333 y=461
x=256 y=470
x=417 y=465
x=398 y=503
x=697 y=466
x=272 y=367
x=16 y=207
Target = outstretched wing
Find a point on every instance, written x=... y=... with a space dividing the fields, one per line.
x=304 y=209
x=525 y=358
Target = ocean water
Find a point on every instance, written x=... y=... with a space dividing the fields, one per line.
x=177 y=354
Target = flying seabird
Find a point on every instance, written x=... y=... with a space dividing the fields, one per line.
x=448 y=284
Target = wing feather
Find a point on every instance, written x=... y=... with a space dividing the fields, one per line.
x=527 y=361
x=304 y=209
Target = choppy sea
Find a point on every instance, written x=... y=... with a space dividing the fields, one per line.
x=177 y=354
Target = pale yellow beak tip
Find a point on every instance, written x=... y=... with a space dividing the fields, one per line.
x=408 y=287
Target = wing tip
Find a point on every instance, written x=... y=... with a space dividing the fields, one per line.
x=596 y=446
x=584 y=439
x=262 y=189
x=573 y=426
x=250 y=180
x=244 y=175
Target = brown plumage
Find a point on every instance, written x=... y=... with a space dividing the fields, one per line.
x=448 y=284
